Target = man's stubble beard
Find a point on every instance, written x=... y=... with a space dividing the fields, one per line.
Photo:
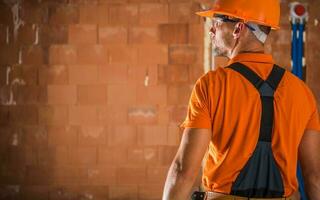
x=217 y=51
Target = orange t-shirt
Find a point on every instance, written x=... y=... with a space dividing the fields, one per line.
x=228 y=104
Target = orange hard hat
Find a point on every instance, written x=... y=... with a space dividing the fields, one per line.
x=264 y=12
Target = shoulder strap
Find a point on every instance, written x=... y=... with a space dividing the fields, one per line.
x=247 y=73
x=266 y=90
x=275 y=76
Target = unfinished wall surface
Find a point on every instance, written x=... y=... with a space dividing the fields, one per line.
x=92 y=93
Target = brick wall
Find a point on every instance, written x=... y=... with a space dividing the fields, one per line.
x=92 y=93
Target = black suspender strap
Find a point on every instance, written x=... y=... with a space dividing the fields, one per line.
x=247 y=73
x=266 y=90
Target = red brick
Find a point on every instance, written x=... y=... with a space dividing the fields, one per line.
x=143 y=74
x=34 y=55
x=9 y=54
x=113 y=73
x=62 y=135
x=13 y=175
x=174 y=135
x=62 y=94
x=34 y=192
x=62 y=54
x=123 y=191
x=152 y=135
x=3 y=75
x=280 y=56
x=112 y=114
x=83 y=156
x=122 y=135
x=4 y=39
x=61 y=156
x=4 y=115
x=123 y=14
x=179 y=94
x=83 y=34
x=155 y=95
x=23 y=75
x=144 y=34
x=26 y=34
x=153 y=54
x=44 y=155
x=142 y=115
x=166 y=155
x=67 y=175
x=53 y=34
x=183 y=54
x=92 y=94
x=177 y=114
x=157 y=175
x=183 y=12
x=102 y=175
x=83 y=74
x=19 y=95
x=38 y=175
x=121 y=94
x=27 y=115
x=64 y=14
x=113 y=35
x=96 y=192
x=83 y=115
x=196 y=34
x=150 y=191
x=6 y=14
x=163 y=115
x=195 y=72
x=123 y=54
x=84 y=2
x=131 y=175
x=33 y=12
x=92 y=135
x=53 y=74
x=92 y=54
x=53 y=115
x=151 y=13
x=174 y=33
x=280 y=37
x=94 y=14
x=112 y=155
x=142 y=155
x=35 y=136
x=173 y=74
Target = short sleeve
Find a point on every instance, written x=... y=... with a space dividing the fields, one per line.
x=313 y=123
x=198 y=115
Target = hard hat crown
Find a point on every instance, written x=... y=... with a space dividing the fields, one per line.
x=263 y=12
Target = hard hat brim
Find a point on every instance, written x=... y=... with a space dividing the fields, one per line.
x=211 y=13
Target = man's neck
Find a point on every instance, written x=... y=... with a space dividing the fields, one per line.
x=253 y=48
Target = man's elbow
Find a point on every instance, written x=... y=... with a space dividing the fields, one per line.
x=186 y=174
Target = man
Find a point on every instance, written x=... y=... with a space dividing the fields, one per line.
x=250 y=121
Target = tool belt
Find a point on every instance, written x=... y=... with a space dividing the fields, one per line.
x=219 y=196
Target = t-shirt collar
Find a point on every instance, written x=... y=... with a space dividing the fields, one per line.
x=252 y=57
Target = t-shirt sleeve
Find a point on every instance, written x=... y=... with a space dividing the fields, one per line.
x=198 y=115
x=314 y=122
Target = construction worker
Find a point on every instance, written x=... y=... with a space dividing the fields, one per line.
x=249 y=122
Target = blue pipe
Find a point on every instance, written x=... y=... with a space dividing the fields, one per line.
x=294 y=47
x=300 y=50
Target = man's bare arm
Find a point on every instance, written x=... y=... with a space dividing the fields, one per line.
x=309 y=156
x=185 y=166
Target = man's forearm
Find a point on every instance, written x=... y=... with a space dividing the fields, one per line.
x=178 y=185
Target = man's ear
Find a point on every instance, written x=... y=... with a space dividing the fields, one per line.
x=238 y=29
